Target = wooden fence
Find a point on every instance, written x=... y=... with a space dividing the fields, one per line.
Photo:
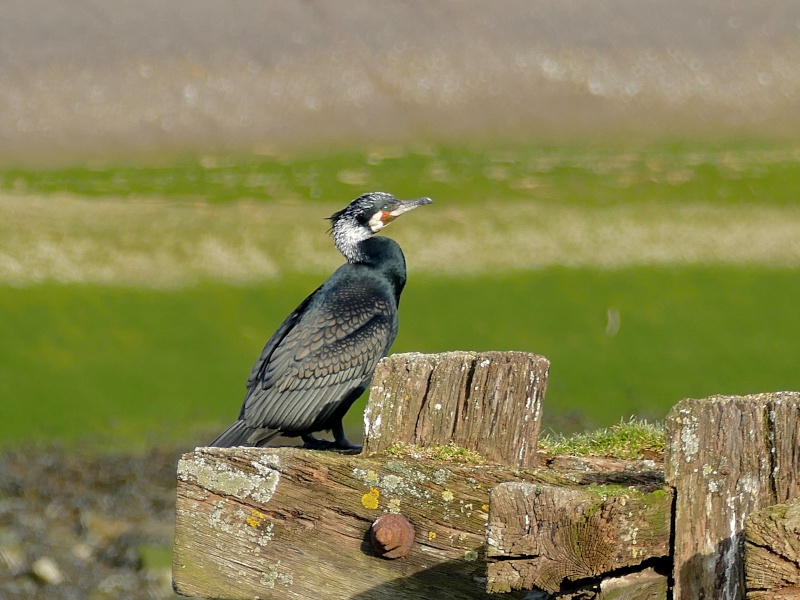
x=716 y=520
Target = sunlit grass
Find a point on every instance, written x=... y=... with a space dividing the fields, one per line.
x=130 y=366
x=631 y=439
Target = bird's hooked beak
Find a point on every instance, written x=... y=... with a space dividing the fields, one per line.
x=385 y=216
x=407 y=205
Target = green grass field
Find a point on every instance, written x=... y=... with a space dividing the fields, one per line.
x=134 y=300
x=126 y=366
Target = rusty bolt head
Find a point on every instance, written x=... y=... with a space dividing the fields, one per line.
x=392 y=536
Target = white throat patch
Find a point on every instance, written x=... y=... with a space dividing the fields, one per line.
x=376 y=222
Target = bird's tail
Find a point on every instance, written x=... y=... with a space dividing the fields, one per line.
x=242 y=434
x=235 y=435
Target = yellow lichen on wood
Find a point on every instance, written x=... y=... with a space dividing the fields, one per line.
x=370 y=499
x=256 y=518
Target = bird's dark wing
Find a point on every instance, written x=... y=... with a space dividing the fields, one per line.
x=331 y=347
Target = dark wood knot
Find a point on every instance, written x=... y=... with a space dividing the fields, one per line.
x=392 y=536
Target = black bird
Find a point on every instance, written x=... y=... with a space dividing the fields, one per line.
x=322 y=357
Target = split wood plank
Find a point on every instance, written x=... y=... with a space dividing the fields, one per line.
x=490 y=402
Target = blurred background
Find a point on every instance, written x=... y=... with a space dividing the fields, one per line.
x=615 y=188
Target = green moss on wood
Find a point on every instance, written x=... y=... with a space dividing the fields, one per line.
x=632 y=439
x=447 y=453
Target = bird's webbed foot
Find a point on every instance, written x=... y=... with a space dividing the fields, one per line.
x=314 y=443
x=339 y=444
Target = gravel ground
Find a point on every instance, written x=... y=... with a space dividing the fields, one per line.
x=77 y=525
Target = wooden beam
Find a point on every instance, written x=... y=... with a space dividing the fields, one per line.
x=726 y=456
x=292 y=523
x=560 y=539
x=772 y=552
x=489 y=402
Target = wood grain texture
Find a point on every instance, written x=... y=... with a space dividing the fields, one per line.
x=642 y=585
x=726 y=456
x=558 y=539
x=290 y=523
x=489 y=402
x=772 y=552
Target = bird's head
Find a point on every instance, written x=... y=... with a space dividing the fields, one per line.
x=374 y=210
x=365 y=216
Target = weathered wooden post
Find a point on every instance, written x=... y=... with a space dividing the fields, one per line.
x=726 y=456
x=490 y=402
x=290 y=523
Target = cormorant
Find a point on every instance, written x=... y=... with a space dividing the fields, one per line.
x=322 y=357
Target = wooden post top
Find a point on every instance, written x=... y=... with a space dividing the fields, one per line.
x=489 y=402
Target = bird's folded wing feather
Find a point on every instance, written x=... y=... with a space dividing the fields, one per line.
x=324 y=353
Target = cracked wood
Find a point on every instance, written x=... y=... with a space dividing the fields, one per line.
x=559 y=539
